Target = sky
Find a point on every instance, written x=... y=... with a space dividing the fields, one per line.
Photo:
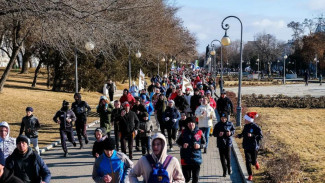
x=203 y=17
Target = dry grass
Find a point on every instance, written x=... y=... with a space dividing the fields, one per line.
x=300 y=131
x=18 y=94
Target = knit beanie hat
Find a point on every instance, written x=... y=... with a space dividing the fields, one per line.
x=109 y=144
x=22 y=138
x=29 y=109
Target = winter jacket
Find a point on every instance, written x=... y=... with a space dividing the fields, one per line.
x=80 y=109
x=9 y=177
x=134 y=90
x=195 y=102
x=253 y=142
x=110 y=87
x=188 y=99
x=143 y=167
x=105 y=112
x=149 y=108
x=8 y=144
x=30 y=125
x=173 y=117
x=139 y=108
x=29 y=167
x=115 y=117
x=168 y=92
x=117 y=166
x=181 y=103
x=172 y=96
x=206 y=119
x=128 y=98
x=63 y=115
x=224 y=105
x=223 y=141
x=128 y=123
x=189 y=155
x=98 y=147
x=213 y=103
x=147 y=127
x=160 y=106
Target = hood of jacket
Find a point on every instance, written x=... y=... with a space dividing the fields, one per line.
x=5 y=124
x=164 y=150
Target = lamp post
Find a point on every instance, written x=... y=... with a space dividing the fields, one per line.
x=258 y=65
x=213 y=52
x=163 y=60
x=89 y=46
x=226 y=41
x=284 y=69
x=138 y=55
x=316 y=61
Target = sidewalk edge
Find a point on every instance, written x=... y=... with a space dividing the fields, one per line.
x=55 y=143
x=240 y=161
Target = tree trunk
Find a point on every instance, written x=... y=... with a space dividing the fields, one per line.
x=36 y=73
x=48 y=76
x=26 y=59
x=12 y=60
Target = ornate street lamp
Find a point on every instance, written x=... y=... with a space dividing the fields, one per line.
x=226 y=41
x=284 y=69
x=89 y=46
x=316 y=62
x=162 y=60
x=138 y=55
x=213 y=52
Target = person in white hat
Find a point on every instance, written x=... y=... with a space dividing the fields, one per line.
x=251 y=134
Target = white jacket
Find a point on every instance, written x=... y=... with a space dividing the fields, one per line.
x=205 y=114
x=8 y=144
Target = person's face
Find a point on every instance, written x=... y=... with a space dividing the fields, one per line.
x=138 y=102
x=143 y=102
x=179 y=93
x=170 y=104
x=3 y=132
x=191 y=125
x=117 y=104
x=247 y=122
x=157 y=91
x=125 y=93
x=161 y=97
x=103 y=102
x=196 y=92
x=187 y=91
x=98 y=135
x=174 y=90
x=209 y=95
x=143 y=91
x=157 y=147
x=127 y=108
x=76 y=97
x=22 y=147
x=29 y=113
x=223 y=95
x=223 y=119
x=110 y=81
x=109 y=153
x=205 y=101
x=183 y=116
x=146 y=118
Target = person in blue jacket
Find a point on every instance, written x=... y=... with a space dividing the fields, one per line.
x=171 y=117
x=148 y=105
x=111 y=166
x=223 y=130
x=191 y=141
x=27 y=164
x=251 y=134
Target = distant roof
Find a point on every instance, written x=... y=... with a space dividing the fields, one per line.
x=320 y=28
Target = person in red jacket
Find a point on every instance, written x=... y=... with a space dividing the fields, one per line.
x=127 y=97
x=213 y=103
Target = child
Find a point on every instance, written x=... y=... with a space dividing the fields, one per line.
x=145 y=130
x=182 y=122
x=30 y=125
x=100 y=135
x=251 y=134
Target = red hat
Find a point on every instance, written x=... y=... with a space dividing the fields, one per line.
x=187 y=89
x=127 y=105
x=250 y=116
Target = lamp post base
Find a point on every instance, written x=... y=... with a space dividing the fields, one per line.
x=238 y=116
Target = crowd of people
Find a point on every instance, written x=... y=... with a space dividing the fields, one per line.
x=157 y=117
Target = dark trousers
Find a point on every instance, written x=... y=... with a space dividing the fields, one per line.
x=171 y=135
x=111 y=94
x=66 y=135
x=162 y=129
x=191 y=171
x=250 y=158
x=225 y=156
x=128 y=138
x=137 y=141
x=81 y=129
x=145 y=145
x=117 y=139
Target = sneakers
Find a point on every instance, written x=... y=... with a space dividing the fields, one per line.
x=229 y=171
x=66 y=154
x=205 y=150
x=257 y=166
x=74 y=144
x=250 y=178
x=224 y=174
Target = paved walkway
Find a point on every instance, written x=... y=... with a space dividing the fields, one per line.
x=77 y=168
x=291 y=90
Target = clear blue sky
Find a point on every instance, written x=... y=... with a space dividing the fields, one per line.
x=203 y=17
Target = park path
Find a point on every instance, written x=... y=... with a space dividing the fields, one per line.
x=77 y=168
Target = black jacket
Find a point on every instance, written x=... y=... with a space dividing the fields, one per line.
x=9 y=177
x=253 y=142
x=80 y=109
x=128 y=123
x=224 y=105
x=63 y=115
x=98 y=147
x=115 y=117
x=195 y=102
x=30 y=125
x=223 y=141
x=181 y=103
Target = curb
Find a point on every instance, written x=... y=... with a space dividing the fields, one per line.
x=53 y=144
x=240 y=161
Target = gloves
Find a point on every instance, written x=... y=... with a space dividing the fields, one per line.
x=174 y=120
x=167 y=118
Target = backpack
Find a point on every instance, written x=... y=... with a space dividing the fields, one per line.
x=159 y=173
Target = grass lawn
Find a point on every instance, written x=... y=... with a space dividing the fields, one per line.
x=299 y=130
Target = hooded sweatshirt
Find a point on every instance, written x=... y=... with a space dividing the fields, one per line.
x=9 y=177
x=143 y=167
x=8 y=144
